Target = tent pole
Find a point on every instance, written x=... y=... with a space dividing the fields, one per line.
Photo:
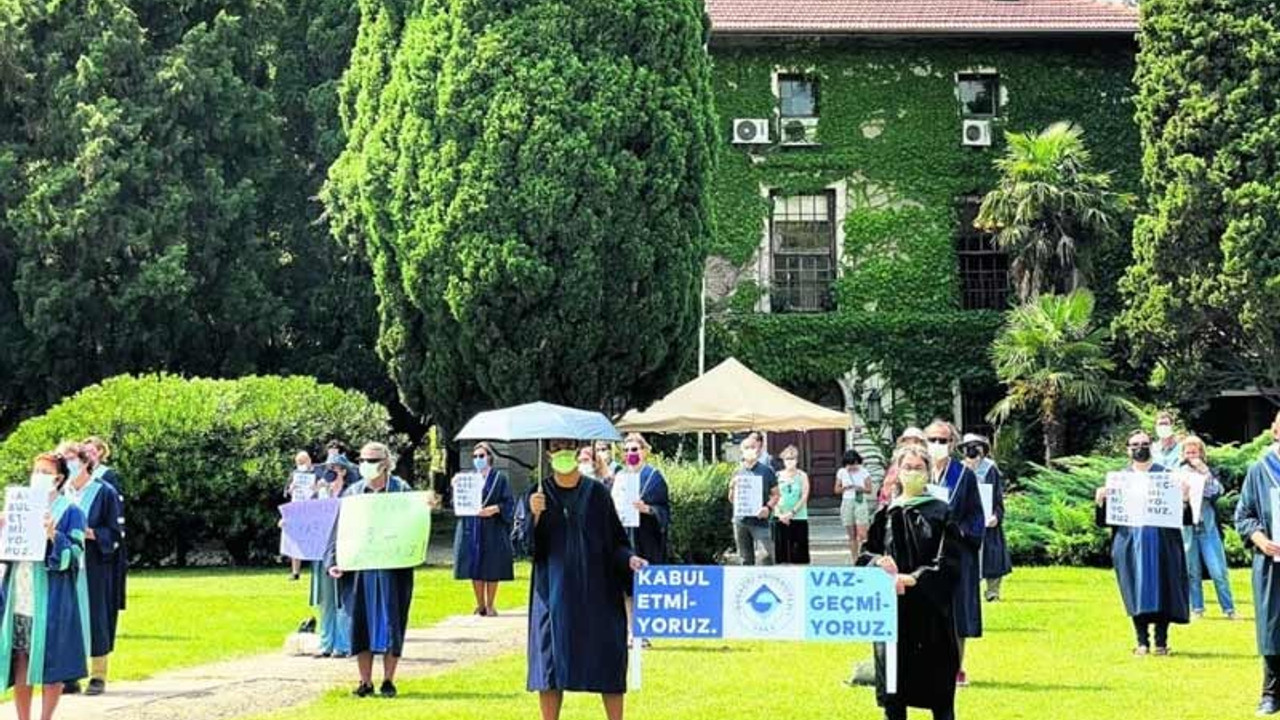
x=702 y=348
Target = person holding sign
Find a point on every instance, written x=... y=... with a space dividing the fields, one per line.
x=301 y=486
x=42 y=636
x=378 y=600
x=915 y=540
x=1151 y=566
x=1202 y=542
x=581 y=567
x=751 y=514
x=996 y=560
x=335 y=620
x=482 y=550
x=961 y=491
x=101 y=506
x=649 y=539
x=1256 y=517
x=791 y=529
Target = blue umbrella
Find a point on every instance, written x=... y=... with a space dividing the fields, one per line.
x=539 y=421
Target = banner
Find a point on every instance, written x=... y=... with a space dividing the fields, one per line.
x=23 y=536
x=468 y=494
x=302 y=486
x=1136 y=499
x=987 y=494
x=626 y=493
x=748 y=495
x=383 y=531
x=307 y=527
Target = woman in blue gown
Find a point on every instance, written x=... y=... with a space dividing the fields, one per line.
x=1254 y=518
x=581 y=566
x=335 y=620
x=996 y=560
x=482 y=550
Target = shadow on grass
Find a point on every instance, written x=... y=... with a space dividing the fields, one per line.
x=1201 y=655
x=1038 y=687
x=695 y=649
x=154 y=638
x=1018 y=629
x=444 y=696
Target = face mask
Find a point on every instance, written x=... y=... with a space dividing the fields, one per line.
x=370 y=470
x=791 y=463
x=938 y=451
x=480 y=464
x=73 y=468
x=303 y=468
x=585 y=468
x=333 y=455
x=1141 y=454
x=750 y=455
x=972 y=452
x=1164 y=432
x=633 y=458
x=564 y=462
x=913 y=482
x=42 y=482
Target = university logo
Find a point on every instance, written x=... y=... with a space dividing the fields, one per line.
x=764 y=602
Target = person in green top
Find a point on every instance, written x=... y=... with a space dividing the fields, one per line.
x=791 y=529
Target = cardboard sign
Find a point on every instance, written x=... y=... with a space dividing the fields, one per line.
x=748 y=495
x=468 y=494
x=987 y=493
x=383 y=531
x=23 y=536
x=1136 y=499
x=307 y=528
x=302 y=486
x=626 y=493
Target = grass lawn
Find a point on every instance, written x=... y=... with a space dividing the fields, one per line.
x=1058 y=647
x=181 y=618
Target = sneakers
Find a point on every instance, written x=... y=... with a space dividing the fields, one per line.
x=388 y=689
x=1163 y=651
x=962 y=680
x=1267 y=706
x=1197 y=614
x=1231 y=615
x=993 y=597
x=97 y=686
x=363 y=690
x=1142 y=650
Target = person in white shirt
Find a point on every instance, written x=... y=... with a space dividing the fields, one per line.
x=854 y=483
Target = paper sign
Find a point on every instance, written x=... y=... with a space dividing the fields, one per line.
x=1275 y=518
x=383 y=531
x=1195 y=492
x=302 y=486
x=939 y=491
x=468 y=494
x=1136 y=499
x=23 y=536
x=748 y=495
x=307 y=528
x=987 y=493
x=626 y=493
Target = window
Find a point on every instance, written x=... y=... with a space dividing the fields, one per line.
x=797 y=96
x=984 y=268
x=976 y=400
x=979 y=94
x=802 y=239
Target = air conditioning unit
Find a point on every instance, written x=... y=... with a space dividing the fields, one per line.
x=798 y=131
x=977 y=133
x=748 y=131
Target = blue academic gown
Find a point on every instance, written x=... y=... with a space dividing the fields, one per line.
x=966 y=513
x=996 y=561
x=101 y=505
x=650 y=539
x=1253 y=514
x=482 y=546
x=378 y=600
x=1151 y=568
x=577 y=617
x=57 y=630
x=108 y=476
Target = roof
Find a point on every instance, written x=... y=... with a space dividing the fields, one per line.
x=921 y=17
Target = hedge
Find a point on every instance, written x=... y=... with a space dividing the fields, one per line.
x=202 y=462
x=701 y=517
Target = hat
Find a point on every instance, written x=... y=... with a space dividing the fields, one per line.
x=912 y=433
x=975 y=439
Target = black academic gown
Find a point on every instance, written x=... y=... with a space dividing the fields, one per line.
x=577 y=618
x=482 y=545
x=1253 y=514
x=971 y=524
x=996 y=560
x=650 y=539
x=924 y=542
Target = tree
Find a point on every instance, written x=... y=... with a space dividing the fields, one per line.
x=1047 y=205
x=1202 y=293
x=1052 y=358
x=528 y=179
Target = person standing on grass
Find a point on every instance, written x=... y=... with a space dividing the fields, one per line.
x=1166 y=451
x=957 y=483
x=292 y=492
x=855 y=500
x=791 y=529
x=1203 y=541
x=335 y=620
x=1255 y=514
x=582 y=565
x=42 y=635
x=996 y=561
x=604 y=466
x=378 y=600
x=914 y=540
x=482 y=550
x=99 y=453
x=1151 y=566
x=751 y=534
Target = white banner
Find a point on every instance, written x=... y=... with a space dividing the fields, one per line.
x=748 y=495
x=23 y=536
x=626 y=493
x=468 y=490
x=1136 y=499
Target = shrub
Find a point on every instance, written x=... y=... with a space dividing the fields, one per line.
x=201 y=461
x=701 y=517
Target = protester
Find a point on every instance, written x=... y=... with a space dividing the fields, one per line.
x=1151 y=566
x=1254 y=517
x=99 y=452
x=889 y=488
x=650 y=539
x=378 y=599
x=791 y=529
x=301 y=464
x=765 y=457
x=959 y=486
x=605 y=467
x=335 y=618
x=1167 y=452
x=751 y=534
x=42 y=636
x=335 y=450
x=482 y=550
x=577 y=638
x=1202 y=542
x=854 y=483
x=914 y=540
x=587 y=463
x=996 y=560
x=100 y=505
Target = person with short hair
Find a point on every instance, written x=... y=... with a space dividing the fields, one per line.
x=856 y=492
x=1167 y=450
x=889 y=487
x=482 y=551
x=1254 y=517
x=604 y=466
x=791 y=517
x=1202 y=541
x=335 y=618
x=996 y=560
x=301 y=464
x=751 y=534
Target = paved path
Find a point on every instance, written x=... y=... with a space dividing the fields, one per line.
x=254 y=685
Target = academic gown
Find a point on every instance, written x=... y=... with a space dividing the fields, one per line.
x=971 y=523
x=1151 y=567
x=996 y=561
x=100 y=503
x=57 y=629
x=110 y=477
x=924 y=542
x=650 y=539
x=577 y=618
x=482 y=546
x=1253 y=513
x=378 y=600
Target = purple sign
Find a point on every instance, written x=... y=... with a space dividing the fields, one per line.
x=306 y=527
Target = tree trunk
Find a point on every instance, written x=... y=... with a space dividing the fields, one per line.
x=1055 y=436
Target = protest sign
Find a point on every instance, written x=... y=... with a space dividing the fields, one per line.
x=468 y=494
x=748 y=495
x=987 y=493
x=383 y=531
x=1195 y=491
x=626 y=493
x=1136 y=499
x=23 y=536
x=302 y=486
x=307 y=527
x=939 y=491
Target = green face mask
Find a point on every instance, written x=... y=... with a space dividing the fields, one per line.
x=913 y=483
x=564 y=462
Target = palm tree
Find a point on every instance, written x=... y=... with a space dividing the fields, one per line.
x=1052 y=358
x=1046 y=203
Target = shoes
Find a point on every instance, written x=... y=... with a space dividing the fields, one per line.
x=490 y=612
x=1197 y=614
x=71 y=688
x=1267 y=706
x=1142 y=650
x=1162 y=651
x=479 y=611
x=388 y=689
x=1231 y=615
x=341 y=655
x=363 y=690
x=293 y=577
x=993 y=597
x=97 y=686
x=962 y=680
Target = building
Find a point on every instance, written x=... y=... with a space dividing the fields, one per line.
x=858 y=139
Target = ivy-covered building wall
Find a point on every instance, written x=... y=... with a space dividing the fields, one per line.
x=887 y=150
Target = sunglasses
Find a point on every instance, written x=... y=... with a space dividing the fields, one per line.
x=371 y=460
x=1135 y=446
x=633 y=449
x=479 y=455
x=939 y=441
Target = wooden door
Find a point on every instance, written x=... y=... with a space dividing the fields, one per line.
x=820 y=455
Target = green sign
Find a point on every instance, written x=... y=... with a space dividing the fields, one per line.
x=382 y=531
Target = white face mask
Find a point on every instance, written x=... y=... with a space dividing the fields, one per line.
x=370 y=470
x=938 y=451
x=750 y=455
x=1164 y=432
x=585 y=468
x=791 y=463
x=42 y=483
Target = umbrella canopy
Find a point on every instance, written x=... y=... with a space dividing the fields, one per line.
x=732 y=398
x=539 y=421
